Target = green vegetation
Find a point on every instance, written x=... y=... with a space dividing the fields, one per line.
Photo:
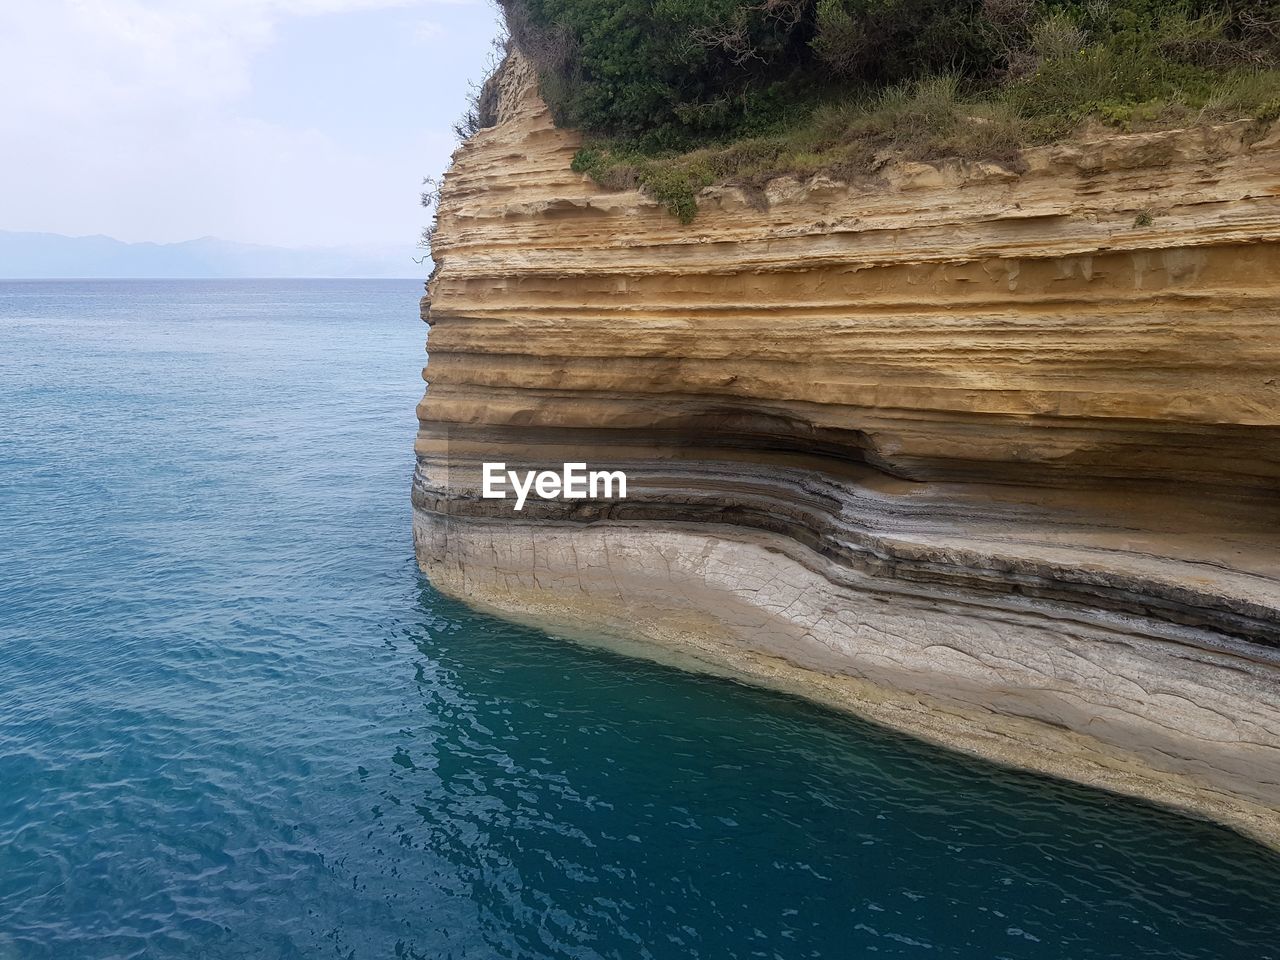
x=676 y=95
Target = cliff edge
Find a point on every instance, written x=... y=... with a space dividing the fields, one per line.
x=991 y=457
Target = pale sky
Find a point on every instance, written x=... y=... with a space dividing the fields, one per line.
x=285 y=122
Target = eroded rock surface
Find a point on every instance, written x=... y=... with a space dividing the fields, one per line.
x=978 y=454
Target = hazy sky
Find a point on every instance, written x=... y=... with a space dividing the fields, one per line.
x=295 y=122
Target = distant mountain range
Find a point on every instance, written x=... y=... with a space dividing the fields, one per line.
x=50 y=256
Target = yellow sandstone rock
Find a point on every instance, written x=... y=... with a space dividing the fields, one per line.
x=989 y=457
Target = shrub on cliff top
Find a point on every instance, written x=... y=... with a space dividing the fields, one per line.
x=676 y=94
x=678 y=71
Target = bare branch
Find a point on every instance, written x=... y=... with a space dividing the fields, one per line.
x=786 y=12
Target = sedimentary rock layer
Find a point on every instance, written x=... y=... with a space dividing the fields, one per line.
x=999 y=449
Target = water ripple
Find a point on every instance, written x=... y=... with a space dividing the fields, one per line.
x=234 y=722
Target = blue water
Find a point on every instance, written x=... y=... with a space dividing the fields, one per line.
x=236 y=722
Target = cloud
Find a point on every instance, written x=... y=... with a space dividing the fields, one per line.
x=427 y=31
x=66 y=53
x=138 y=118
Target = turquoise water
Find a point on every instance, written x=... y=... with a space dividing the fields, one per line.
x=236 y=722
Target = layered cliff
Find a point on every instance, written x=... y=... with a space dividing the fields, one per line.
x=989 y=456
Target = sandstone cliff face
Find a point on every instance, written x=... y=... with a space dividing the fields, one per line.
x=978 y=454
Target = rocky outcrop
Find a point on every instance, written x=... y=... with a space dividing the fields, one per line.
x=991 y=457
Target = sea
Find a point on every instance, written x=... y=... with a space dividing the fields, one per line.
x=236 y=721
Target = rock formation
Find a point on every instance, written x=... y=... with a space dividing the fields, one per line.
x=992 y=457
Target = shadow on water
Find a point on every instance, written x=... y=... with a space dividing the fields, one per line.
x=590 y=804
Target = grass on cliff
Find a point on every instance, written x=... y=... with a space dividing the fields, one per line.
x=930 y=119
x=808 y=96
